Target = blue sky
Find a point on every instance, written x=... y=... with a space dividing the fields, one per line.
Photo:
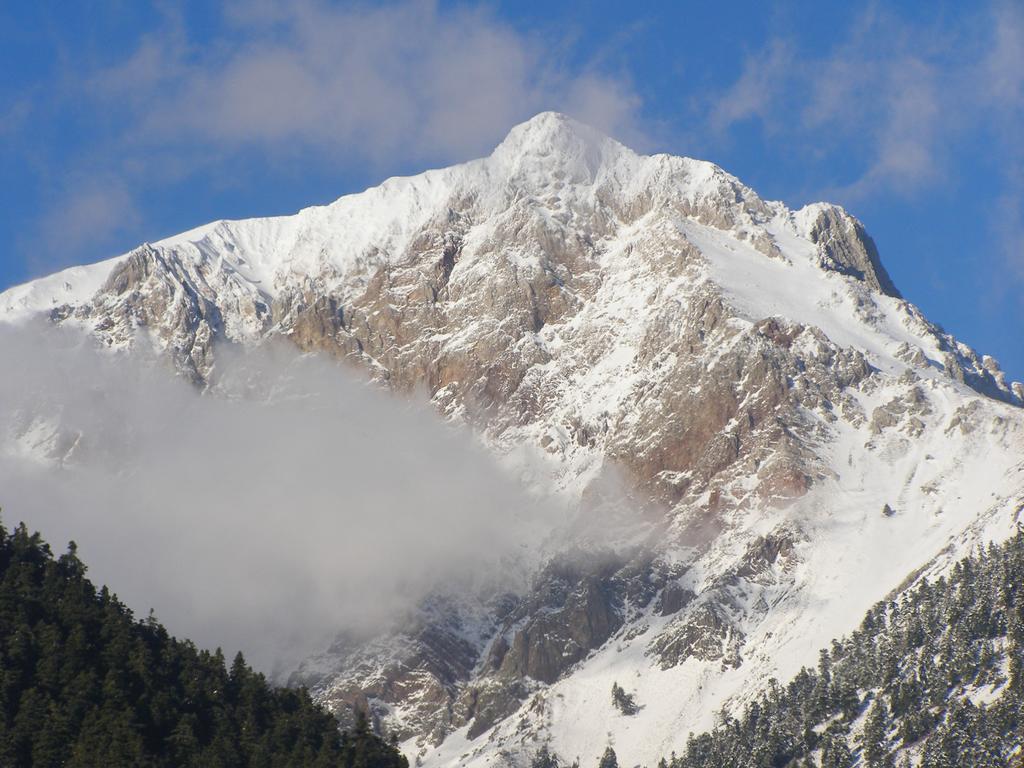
x=125 y=121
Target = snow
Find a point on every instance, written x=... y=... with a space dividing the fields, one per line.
x=72 y=286
x=849 y=313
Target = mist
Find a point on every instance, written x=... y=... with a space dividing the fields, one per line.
x=291 y=502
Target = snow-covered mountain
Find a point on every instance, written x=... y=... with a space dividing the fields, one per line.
x=760 y=437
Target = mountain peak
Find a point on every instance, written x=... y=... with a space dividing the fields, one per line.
x=545 y=127
x=552 y=139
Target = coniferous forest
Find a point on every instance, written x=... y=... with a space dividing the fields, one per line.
x=932 y=678
x=85 y=684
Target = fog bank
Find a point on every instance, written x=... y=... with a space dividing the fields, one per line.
x=293 y=502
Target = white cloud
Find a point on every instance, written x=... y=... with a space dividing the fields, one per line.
x=757 y=92
x=295 y=503
x=14 y=117
x=1004 y=64
x=907 y=135
x=1001 y=86
x=91 y=213
x=891 y=93
x=404 y=81
x=1008 y=223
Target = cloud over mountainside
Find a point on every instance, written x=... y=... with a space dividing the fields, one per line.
x=292 y=502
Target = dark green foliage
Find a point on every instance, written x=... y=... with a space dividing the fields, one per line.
x=906 y=671
x=83 y=684
x=874 y=738
x=608 y=759
x=362 y=748
x=544 y=759
x=624 y=702
x=835 y=752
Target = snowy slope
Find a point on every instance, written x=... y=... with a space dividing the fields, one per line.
x=73 y=286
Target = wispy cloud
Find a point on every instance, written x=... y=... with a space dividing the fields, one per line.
x=1008 y=223
x=1003 y=76
x=1004 y=64
x=906 y=136
x=900 y=92
x=767 y=76
x=90 y=212
x=402 y=81
x=14 y=116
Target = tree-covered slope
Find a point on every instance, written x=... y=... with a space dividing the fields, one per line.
x=934 y=678
x=85 y=684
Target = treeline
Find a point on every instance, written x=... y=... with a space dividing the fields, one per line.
x=934 y=678
x=84 y=684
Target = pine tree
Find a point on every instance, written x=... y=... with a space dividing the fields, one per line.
x=608 y=759
x=544 y=759
x=623 y=701
x=874 y=738
x=835 y=752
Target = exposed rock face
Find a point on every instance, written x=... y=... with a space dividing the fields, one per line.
x=845 y=247
x=719 y=382
x=571 y=615
x=575 y=606
x=185 y=304
x=437 y=651
x=703 y=635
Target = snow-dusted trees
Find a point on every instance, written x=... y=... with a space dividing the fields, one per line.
x=835 y=752
x=904 y=679
x=874 y=738
x=544 y=759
